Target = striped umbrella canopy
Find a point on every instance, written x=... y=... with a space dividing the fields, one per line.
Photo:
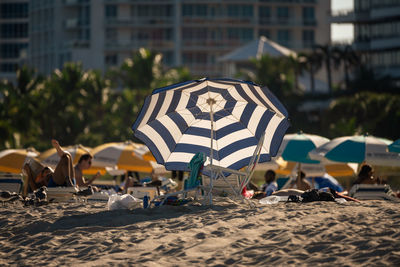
x=357 y=149
x=295 y=147
x=121 y=155
x=395 y=146
x=223 y=118
x=12 y=160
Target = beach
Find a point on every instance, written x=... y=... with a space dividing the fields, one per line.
x=228 y=233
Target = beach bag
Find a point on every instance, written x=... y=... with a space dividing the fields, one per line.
x=315 y=195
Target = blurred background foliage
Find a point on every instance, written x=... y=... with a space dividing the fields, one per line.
x=78 y=106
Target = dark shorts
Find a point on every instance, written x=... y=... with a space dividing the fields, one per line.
x=53 y=184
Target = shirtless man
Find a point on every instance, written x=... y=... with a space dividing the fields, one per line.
x=84 y=163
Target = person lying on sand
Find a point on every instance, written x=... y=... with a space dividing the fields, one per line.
x=63 y=175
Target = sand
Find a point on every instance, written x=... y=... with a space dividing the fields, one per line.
x=228 y=233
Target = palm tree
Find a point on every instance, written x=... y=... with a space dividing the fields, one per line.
x=326 y=52
x=349 y=58
x=312 y=62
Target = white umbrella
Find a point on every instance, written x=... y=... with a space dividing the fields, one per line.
x=357 y=149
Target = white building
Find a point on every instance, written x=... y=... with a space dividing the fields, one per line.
x=102 y=33
x=13 y=36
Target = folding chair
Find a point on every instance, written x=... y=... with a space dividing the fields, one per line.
x=236 y=185
x=193 y=183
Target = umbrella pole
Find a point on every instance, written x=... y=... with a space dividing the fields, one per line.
x=211 y=102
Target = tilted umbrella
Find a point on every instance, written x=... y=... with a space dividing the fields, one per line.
x=223 y=118
x=395 y=146
x=357 y=149
x=121 y=155
x=12 y=160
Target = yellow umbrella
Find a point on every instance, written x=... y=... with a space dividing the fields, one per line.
x=122 y=155
x=12 y=160
x=51 y=158
x=334 y=169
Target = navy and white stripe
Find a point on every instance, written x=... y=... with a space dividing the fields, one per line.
x=175 y=122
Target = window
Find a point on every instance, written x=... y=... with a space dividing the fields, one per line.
x=111 y=59
x=15 y=10
x=194 y=10
x=240 y=11
x=266 y=33
x=284 y=37
x=111 y=11
x=11 y=50
x=308 y=38
x=283 y=13
x=111 y=35
x=243 y=34
x=308 y=16
x=8 y=67
x=14 y=30
x=264 y=12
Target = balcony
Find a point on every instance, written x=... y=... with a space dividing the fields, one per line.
x=384 y=12
x=151 y=44
x=349 y=16
x=385 y=43
x=137 y=21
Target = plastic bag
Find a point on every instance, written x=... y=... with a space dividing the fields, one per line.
x=273 y=199
x=116 y=202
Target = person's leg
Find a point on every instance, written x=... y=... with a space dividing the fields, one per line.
x=64 y=172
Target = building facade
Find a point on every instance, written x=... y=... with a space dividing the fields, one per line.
x=376 y=33
x=14 y=36
x=102 y=33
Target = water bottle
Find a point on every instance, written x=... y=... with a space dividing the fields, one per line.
x=145 y=201
x=270 y=200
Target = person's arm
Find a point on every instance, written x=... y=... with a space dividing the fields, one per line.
x=30 y=178
x=94 y=177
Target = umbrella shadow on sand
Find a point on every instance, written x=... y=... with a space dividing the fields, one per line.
x=104 y=220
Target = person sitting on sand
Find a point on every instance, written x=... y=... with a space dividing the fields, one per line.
x=63 y=175
x=301 y=183
x=84 y=163
x=270 y=185
x=365 y=176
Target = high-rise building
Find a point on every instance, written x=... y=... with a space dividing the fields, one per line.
x=102 y=33
x=13 y=36
x=376 y=33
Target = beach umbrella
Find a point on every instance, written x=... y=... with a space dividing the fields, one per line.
x=121 y=155
x=295 y=147
x=12 y=160
x=222 y=118
x=318 y=169
x=395 y=146
x=357 y=149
